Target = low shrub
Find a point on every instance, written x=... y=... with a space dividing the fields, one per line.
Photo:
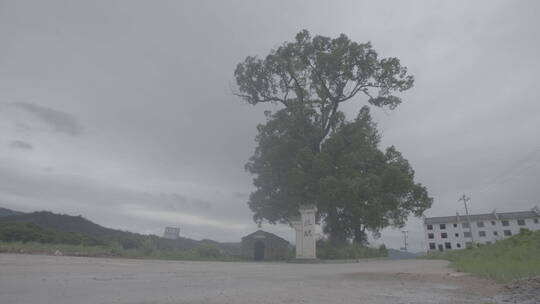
x=328 y=251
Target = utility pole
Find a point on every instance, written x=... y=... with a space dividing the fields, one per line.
x=405 y=239
x=465 y=199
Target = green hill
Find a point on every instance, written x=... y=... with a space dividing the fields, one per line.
x=49 y=228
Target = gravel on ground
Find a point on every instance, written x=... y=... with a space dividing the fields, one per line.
x=32 y=279
x=522 y=291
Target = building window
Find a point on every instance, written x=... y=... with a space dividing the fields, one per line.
x=493 y=223
x=507 y=232
x=444 y=235
x=431 y=236
x=488 y=242
x=468 y=244
x=458 y=245
x=467 y=234
x=521 y=222
x=455 y=225
x=482 y=233
x=456 y=234
x=465 y=225
x=536 y=221
x=429 y=227
x=432 y=246
x=442 y=226
x=480 y=224
x=505 y=223
x=447 y=245
x=495 y=233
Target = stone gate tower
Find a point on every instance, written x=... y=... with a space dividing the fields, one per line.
x=305 y=232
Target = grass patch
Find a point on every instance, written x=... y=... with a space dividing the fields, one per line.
x=328 y=251
x=201 y=253
x=513 y=258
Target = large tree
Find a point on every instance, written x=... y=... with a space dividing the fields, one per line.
x=307 y=150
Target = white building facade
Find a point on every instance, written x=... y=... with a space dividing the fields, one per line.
x=454 y=232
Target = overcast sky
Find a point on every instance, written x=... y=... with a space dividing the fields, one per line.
x=123 y=112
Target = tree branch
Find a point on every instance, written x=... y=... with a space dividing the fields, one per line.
x=298 y=90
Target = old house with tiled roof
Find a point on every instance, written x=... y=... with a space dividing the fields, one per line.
x=264 y=246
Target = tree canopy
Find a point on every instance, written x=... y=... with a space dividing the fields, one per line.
x=309 y=153
x=320 y=73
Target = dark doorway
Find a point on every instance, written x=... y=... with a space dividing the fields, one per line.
x=440 y=247
x=258 y=251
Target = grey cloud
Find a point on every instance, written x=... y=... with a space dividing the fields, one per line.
x=202 y=204
x=19 y=144
x=60 y=121
x=241 y=195
x=80 y=195
x=179 y=202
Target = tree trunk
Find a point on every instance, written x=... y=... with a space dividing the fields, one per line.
x=360 y=236
x=334 y=228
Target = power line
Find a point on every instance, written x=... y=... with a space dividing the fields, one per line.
x=529 y=161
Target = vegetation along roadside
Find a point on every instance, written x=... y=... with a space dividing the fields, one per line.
x=513 y=258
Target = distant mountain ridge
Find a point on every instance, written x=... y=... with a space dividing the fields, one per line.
x=8 y=212
x=48 y=227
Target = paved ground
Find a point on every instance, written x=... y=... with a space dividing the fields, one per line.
x=29 y=279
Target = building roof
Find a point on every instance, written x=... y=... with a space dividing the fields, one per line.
x=483 y=217
x=265 y=234
x=518 y=215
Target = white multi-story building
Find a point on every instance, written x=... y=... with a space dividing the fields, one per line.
x=455 y=232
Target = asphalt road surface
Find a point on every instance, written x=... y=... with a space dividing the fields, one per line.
x=29 y=279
